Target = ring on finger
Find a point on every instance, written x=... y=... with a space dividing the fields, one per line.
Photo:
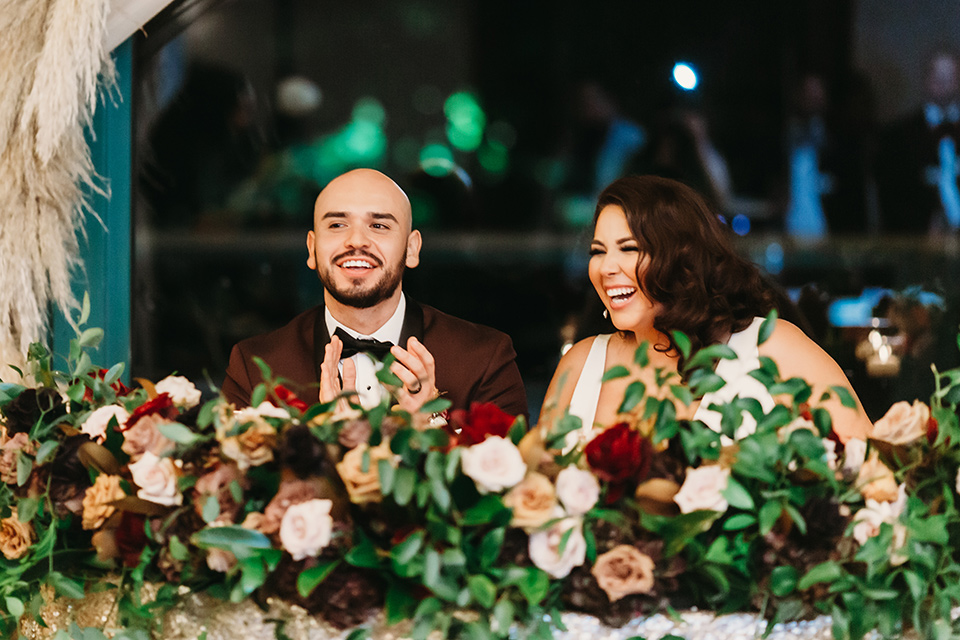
x=414 y=391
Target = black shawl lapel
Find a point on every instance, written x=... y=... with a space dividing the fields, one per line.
x=412 y=327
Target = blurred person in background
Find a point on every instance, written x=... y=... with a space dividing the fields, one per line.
x=917 y=167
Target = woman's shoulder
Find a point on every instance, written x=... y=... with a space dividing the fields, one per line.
x=576 y=356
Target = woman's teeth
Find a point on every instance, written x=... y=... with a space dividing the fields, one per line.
x=621 y=293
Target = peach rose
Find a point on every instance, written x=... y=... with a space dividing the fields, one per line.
x=902 y=424
x=877 y=481
x=622 y=571
x=144 y=436
x=364 y=486
x=157 y=479
x=15 y=538
x=8 y=456
x=217 y=483
x=253 y=447
x=533 y=501
x=306 y=528
x=289 y=493
x=98 y=500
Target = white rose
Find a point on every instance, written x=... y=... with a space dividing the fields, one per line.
x=306 y=528
x=702 y=489
x=868 y=519
x=267 y=410
x=494 y=465
x=903 y=423
x=854 y=454
x=183 y=392
x=157 y=479
x=545 y=548
x=96 y=424
x=578 y=490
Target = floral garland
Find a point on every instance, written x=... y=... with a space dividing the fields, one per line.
x=479 y=528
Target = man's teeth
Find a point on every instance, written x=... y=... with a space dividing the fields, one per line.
x=356 y=263
x=621 y=292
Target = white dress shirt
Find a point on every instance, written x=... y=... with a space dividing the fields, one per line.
x=369 y=389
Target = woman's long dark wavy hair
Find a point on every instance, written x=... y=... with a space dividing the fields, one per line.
x=704 y=288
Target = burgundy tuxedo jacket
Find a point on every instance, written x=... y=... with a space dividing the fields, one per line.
x=473 y=363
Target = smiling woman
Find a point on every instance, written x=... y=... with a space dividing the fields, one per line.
x=661 y=264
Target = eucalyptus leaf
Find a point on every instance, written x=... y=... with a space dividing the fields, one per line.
x=27 y=508
x=613 y=373
x=84 y=309
x=14 y=606
x=846 y=398
x=24 y=468
x=46 y=451
x=737 y=496
x=229 y=537
x=181 y=434
x=91 y=337
x=682 y=342
x=766 y=327
x=641 y=357
x=632 y=396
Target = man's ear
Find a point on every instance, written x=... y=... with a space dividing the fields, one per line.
x=311 y=250
x=414 y=240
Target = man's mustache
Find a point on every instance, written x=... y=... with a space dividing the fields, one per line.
x=357 y=253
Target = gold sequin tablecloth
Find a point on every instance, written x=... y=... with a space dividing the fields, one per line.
x=228 y=621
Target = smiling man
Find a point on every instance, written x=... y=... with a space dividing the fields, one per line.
x=361 y=243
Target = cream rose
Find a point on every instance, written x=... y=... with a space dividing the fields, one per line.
x=903 y=423
x=622 y=571
x=364 y=486
x=545 y=551
x=251 y=448
x=289 y=493
x=263 y=410
x=701 y=489
x=306 y=528
x=533 y=501
x=494 y=465
x=876 y=480
x=15 y=537
x=96 y=424
x=144 y=436
x=157 y=479
x=854 y=453
x=98 y=500
x=183 y=392
x=578 y=490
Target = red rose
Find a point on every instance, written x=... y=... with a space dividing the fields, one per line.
x=482 y=421
x=120 y=388
x=289 y=398
x=131 y=537
x=162 y=405
x=618 y=455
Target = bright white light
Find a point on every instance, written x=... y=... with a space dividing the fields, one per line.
x=685 y=76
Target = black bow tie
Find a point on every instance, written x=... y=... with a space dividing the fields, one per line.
x=352 y=346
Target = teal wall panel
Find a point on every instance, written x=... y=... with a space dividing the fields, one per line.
x=106 y=250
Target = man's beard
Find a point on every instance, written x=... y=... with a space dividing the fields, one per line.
x=357 y=297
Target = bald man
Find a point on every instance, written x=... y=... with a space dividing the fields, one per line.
x=360 y=244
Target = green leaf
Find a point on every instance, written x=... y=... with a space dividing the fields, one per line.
x=483 y=590
x=404 y=485
x=534 y=585
x=705 y=357
x=682 y=393
x=178 y=433
x=76 y=391
x=83 y=365
x=178 y=550
x=739 y=521
x=310 y=579
x=769 y=514
x=14 y=606
x=46 y=451
x=230 y=537
x=490 y=546
x=65 y=586
x=783 y=580
x=363 y=555
x=259 y=395
x=682 y=342
x=483 y=511
x=211 y=509
x=846 y=398
x=632 y=396
x=823 y=572
x=737 y=496
x=113 y=374
x=27 y=509
x=641 y=357
x=91 y=337
x=24 y=467
x=405 y=551
x=400 y=603
x=360 y=633
x=452 y=465
x=437 y=405
x=388 y=474
x=767 y=327
x=614 y=373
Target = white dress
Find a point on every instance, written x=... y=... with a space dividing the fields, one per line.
x=586 y=394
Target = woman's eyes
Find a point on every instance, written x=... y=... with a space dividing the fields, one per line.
x=597 y=251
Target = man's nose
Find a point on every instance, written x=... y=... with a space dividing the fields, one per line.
x=357 y=237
